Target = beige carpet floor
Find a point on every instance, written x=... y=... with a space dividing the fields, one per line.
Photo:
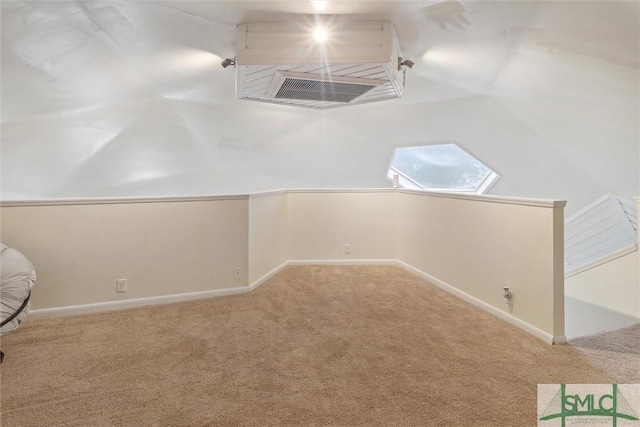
x=315 y=346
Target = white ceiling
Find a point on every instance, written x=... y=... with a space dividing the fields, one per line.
x=128 y=98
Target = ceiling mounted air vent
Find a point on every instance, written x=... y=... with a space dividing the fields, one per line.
x=282 y=63
x=319 y=87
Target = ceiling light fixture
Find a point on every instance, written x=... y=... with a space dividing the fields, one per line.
x=229 y=61
x=319 y=5
x=320 y=35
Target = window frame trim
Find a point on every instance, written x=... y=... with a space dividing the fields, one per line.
x=485 y=185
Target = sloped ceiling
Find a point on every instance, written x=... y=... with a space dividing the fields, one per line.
x=107 y=99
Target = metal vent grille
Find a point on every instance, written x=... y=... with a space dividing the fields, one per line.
x=321 y=90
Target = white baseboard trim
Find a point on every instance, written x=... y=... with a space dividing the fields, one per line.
x=143 y=302
x=343 y=262
x=132 y=303
x=486 y=307
x=165 y=299
x=267 y=276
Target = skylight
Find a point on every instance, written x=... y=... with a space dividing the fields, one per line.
x=444 y=167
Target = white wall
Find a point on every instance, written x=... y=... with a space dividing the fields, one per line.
x=604 y=297
x=322 y=222
x=544 y=92
x=200 y=148
x=163 y=248
x=473 y=245
x=613 y=285
x=267 y=233
x=478 y=246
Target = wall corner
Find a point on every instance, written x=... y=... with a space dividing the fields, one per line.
x=558 y=270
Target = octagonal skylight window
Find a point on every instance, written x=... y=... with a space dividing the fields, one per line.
x=443 y=167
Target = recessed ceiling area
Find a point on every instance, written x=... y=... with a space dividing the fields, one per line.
x=118 y=99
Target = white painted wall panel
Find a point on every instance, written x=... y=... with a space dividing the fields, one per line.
x=160 y=248
x=476 y=244
x=267 y=233
x=321 y=223
x=613 y=287
x=479 y=247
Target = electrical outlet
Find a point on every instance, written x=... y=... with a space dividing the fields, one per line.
x=121 y=285
x=347 y=248
x=236 y=273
